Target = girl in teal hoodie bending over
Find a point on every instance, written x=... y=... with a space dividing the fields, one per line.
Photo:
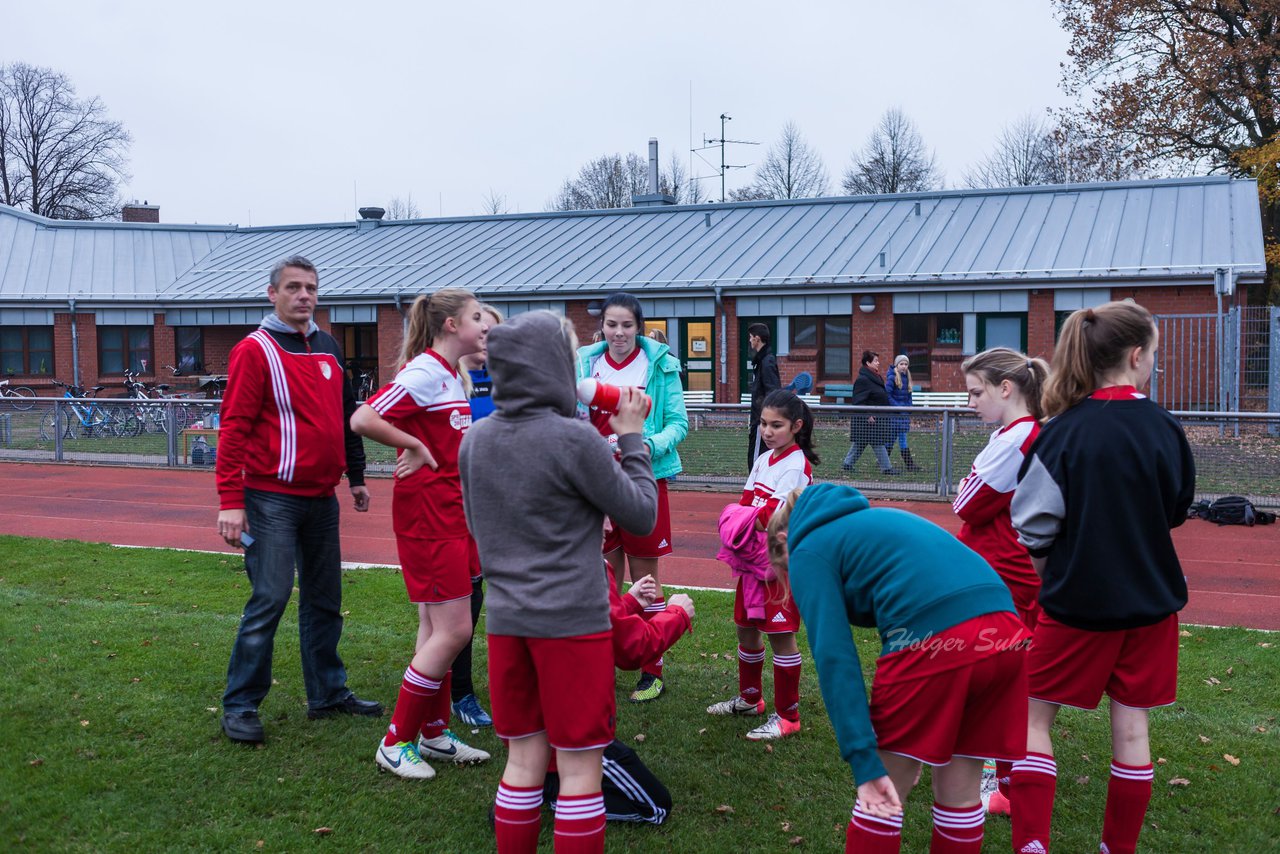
x=952 y=664
x=627 y=357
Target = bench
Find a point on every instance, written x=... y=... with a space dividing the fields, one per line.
x=699 y=398
x=838 y=392
x=811 y=399
x=948 y=399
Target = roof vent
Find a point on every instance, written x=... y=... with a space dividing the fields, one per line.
x=372 y=213
x=369 y=218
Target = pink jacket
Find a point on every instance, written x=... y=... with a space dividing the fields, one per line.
x=746 y=552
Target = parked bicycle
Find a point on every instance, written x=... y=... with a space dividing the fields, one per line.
x=19 y=396
x=363 y=383
x=154 y=419
x=84 y=418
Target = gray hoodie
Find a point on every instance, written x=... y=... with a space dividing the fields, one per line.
x=537 y=484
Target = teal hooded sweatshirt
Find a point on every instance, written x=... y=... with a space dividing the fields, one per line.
x=883 y=568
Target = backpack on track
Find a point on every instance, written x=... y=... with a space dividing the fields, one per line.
x=1231 y=510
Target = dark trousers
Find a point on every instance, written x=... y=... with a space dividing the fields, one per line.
x=631 y=791
x=755 y=445
x=290 y=533
x=462 y=684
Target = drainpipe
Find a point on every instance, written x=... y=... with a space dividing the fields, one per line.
x=75 y=345
x=723 y=358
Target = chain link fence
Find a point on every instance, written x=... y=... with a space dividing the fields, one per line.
x=1236 y=453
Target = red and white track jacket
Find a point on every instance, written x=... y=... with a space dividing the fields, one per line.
x=285 y=421
x=638 y=641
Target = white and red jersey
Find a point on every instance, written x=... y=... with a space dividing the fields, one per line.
x=283 y=419
x=427 y=401
x=772 y=477
x=631 y=371
x=983 y=503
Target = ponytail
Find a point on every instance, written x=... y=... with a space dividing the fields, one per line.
x=795 y=409
x=1028 y=375
x=1094 y=342
x=426 y=321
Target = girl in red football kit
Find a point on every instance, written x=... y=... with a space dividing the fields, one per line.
x=761 y=605
x=424 y=412
x=1109 y=476
x=1004 y=389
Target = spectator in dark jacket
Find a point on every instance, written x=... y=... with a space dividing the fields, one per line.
x=764 y=379
x=869 y=430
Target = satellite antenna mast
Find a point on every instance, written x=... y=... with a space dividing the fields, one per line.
x=720 y=143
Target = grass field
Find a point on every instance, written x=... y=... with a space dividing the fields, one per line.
x=115 y=661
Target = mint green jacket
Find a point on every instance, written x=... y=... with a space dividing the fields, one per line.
x=668 y=423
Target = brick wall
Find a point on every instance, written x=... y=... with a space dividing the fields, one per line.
x=1040 y=321
x=584 y=325
x=218 y=341
x=390 y=337
x=729 y=391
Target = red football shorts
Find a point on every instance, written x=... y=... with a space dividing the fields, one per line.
x=1134 y=667
x=780 y=612
x=563 y=686
x=656 y=543
x=437 y=571
x=962 y=692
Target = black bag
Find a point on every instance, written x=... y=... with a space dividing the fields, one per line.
x=1231 y=510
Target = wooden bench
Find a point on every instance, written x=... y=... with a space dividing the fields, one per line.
x=949 y=399
x=838 y=392
x=211 y=432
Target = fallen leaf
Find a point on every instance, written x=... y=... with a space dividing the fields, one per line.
x=1226 y=690
x=37 y=762
x=724 y=809
x=1233 y=760
x=715 y=655
x=1179 y=781
x=1162 y=761
x=1230 y=671
x=210 y=709
x=1265 y=645
x=1184 y=634
x=1082 y=780
x=1204 y=739
x=639 y=739
x=261 y=842
x=323 y=831
x=795 y=841
x=786 y=827
x=1212 y=680
x=135 y=679
x=1260 y=729
x=1084 y=756
x=768 y=748
x=84 y=723
x=702 y=731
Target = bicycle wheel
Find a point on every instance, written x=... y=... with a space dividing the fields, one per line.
x=21 y=398
x=49 y=429
x=125 y=424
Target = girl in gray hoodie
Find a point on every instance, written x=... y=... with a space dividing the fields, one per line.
x=537 y=484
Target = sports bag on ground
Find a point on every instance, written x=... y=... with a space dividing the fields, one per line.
x=1231 y=510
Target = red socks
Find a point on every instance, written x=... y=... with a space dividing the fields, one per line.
x=1033 y=784
x=580 y=824
x=957 y=830
x=750 y=673
x=1128 y=795
x=417 y=700
x=868 y=834
x=786 y=686
x=654 y=668
x=517 y=818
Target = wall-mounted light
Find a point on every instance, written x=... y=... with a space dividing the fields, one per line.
x=595 y=307
x=867 y=304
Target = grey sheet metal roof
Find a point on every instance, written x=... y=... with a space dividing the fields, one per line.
x=1179 y=229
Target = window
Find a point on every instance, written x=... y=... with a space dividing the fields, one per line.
x=189 y=350
x=832 y=337
x=121 y=347
x=918 y=335
x=26 y=351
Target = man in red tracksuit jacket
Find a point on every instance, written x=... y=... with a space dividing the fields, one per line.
x=284 y=442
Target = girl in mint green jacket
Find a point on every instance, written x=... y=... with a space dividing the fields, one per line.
x=627 y=357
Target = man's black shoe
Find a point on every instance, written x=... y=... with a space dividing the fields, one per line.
x=243 y=727
x=353 y=705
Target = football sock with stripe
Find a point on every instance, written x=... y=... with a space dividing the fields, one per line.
x=580 y=824
x=437 y=719
x=517 y=818
x=1128 y=795
x=654 y=668
x=869 y=834
x=417 y=696
x=1033 y=784
x=957 y=830
x=750 y=673
x=786 y=686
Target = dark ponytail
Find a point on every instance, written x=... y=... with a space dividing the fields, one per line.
x=795 y=409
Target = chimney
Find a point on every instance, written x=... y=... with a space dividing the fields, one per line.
x=134 y=212
x=654 y=197
x=369 y=218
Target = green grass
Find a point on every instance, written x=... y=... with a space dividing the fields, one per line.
x=115 y=660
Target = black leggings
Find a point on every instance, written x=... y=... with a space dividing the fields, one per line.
x=631 y=791
x=462 y=684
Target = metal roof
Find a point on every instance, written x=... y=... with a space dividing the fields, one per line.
x=1180 y=229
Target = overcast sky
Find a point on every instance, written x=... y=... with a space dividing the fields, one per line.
x=287 y=112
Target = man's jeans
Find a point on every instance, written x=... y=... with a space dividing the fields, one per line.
x=290 y=530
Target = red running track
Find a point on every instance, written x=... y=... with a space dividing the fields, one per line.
x=1234 y=573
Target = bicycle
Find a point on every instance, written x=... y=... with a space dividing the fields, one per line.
x=363 y=383
x=84 y=417
x=19 y=396
x=152 y=418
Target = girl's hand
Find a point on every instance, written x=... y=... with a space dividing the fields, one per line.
x=631 y=412
x=645 y=591
x=879 y=798
x=412 y=459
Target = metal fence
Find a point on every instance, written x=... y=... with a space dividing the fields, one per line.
x=1236 y=453
x=1219 y=363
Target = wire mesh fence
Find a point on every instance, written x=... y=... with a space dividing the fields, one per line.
x=1236 y=453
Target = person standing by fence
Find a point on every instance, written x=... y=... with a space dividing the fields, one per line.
x=869 y=430
x=898 y=387
x=283 y=445
x=764 y=379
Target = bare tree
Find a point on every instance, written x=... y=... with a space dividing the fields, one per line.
x=62 y=156
x=494 y=203
x=791 y=170
x=675 y=181
x=1032 y=151
x=1020 y=158
x=609 y=181
x=752 y=192
x=405 y=208
x=1074 y=156
x=894 y=160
